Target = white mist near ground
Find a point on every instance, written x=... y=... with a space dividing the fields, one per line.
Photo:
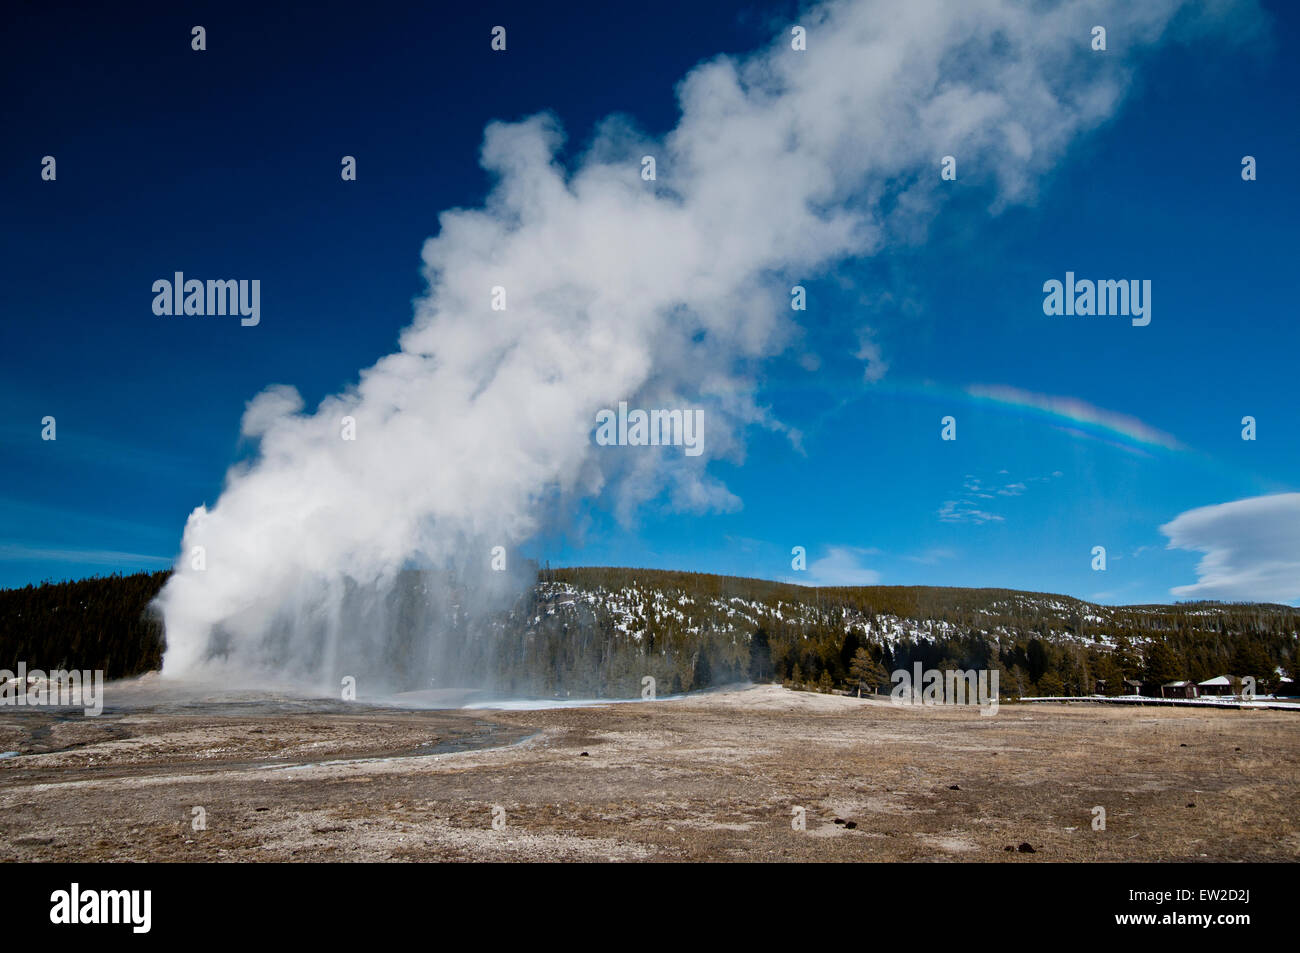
x=667 y=294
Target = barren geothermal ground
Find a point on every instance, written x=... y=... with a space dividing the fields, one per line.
x=709 y=777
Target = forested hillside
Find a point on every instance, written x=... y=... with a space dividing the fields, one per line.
x=101 y=623
x=599 y=631
x=690 y=629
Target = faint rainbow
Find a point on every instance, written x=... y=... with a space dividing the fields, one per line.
x=1082 y=417
x=1070 y=415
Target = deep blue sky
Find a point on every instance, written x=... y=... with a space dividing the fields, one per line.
x=226 y=163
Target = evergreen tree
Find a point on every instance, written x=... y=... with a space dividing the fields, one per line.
x=1036 y=660
x=1130 y=665
x=703 y=673
x=1050 y=685
x=760 y=656
x=1162 y=665
x=866 y=672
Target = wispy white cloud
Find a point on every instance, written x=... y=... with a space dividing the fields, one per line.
x=1251 y=547
x=965 y=511
x=17 y=552
x=932 y=556
x=842 y=566
x=869 y=352
x=16 y=512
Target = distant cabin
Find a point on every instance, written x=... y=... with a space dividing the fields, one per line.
x=1183 y=689
x=1219 y=685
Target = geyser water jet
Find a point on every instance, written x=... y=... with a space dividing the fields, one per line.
x=663 y=293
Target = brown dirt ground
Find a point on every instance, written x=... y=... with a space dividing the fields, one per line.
x=710 y=777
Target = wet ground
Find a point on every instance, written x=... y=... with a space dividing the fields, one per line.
x=724 y=776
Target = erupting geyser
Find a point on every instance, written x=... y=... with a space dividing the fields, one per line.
x=665 y=293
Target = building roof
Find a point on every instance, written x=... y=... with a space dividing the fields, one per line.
x=1217 y=680
x=1175 y=684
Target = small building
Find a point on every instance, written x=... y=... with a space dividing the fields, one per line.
x=1183 y=689
x=1219 y=685
x=1132 y=686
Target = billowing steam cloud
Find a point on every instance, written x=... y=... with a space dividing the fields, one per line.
x=665 y=293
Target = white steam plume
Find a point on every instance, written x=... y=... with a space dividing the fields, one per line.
x=664 y=294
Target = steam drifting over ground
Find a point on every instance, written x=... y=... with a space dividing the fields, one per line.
x=665 y=293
